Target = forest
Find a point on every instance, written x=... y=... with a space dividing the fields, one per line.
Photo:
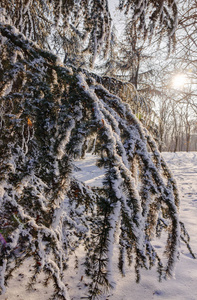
x=114 y=79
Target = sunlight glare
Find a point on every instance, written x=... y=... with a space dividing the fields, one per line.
x=178 y=81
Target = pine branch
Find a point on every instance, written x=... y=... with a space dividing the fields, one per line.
x=49 y=115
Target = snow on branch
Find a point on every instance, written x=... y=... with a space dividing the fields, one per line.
x=51 y=115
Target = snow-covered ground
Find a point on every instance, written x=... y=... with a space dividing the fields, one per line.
x=182 y=287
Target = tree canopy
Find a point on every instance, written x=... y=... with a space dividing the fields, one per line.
x=83 y=27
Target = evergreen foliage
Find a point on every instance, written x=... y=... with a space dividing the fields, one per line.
x=81 y=29
x=50 y=115
x=151 y=16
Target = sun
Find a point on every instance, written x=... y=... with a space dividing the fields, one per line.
x=178 y=81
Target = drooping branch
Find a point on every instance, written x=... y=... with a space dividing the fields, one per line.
x=163 y=15
x=50 y=114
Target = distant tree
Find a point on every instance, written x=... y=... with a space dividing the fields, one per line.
x=145 y=20
x=152 y=71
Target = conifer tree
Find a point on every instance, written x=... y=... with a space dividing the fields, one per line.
x=49 y=116
x=59 y=24
x=151 y=16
